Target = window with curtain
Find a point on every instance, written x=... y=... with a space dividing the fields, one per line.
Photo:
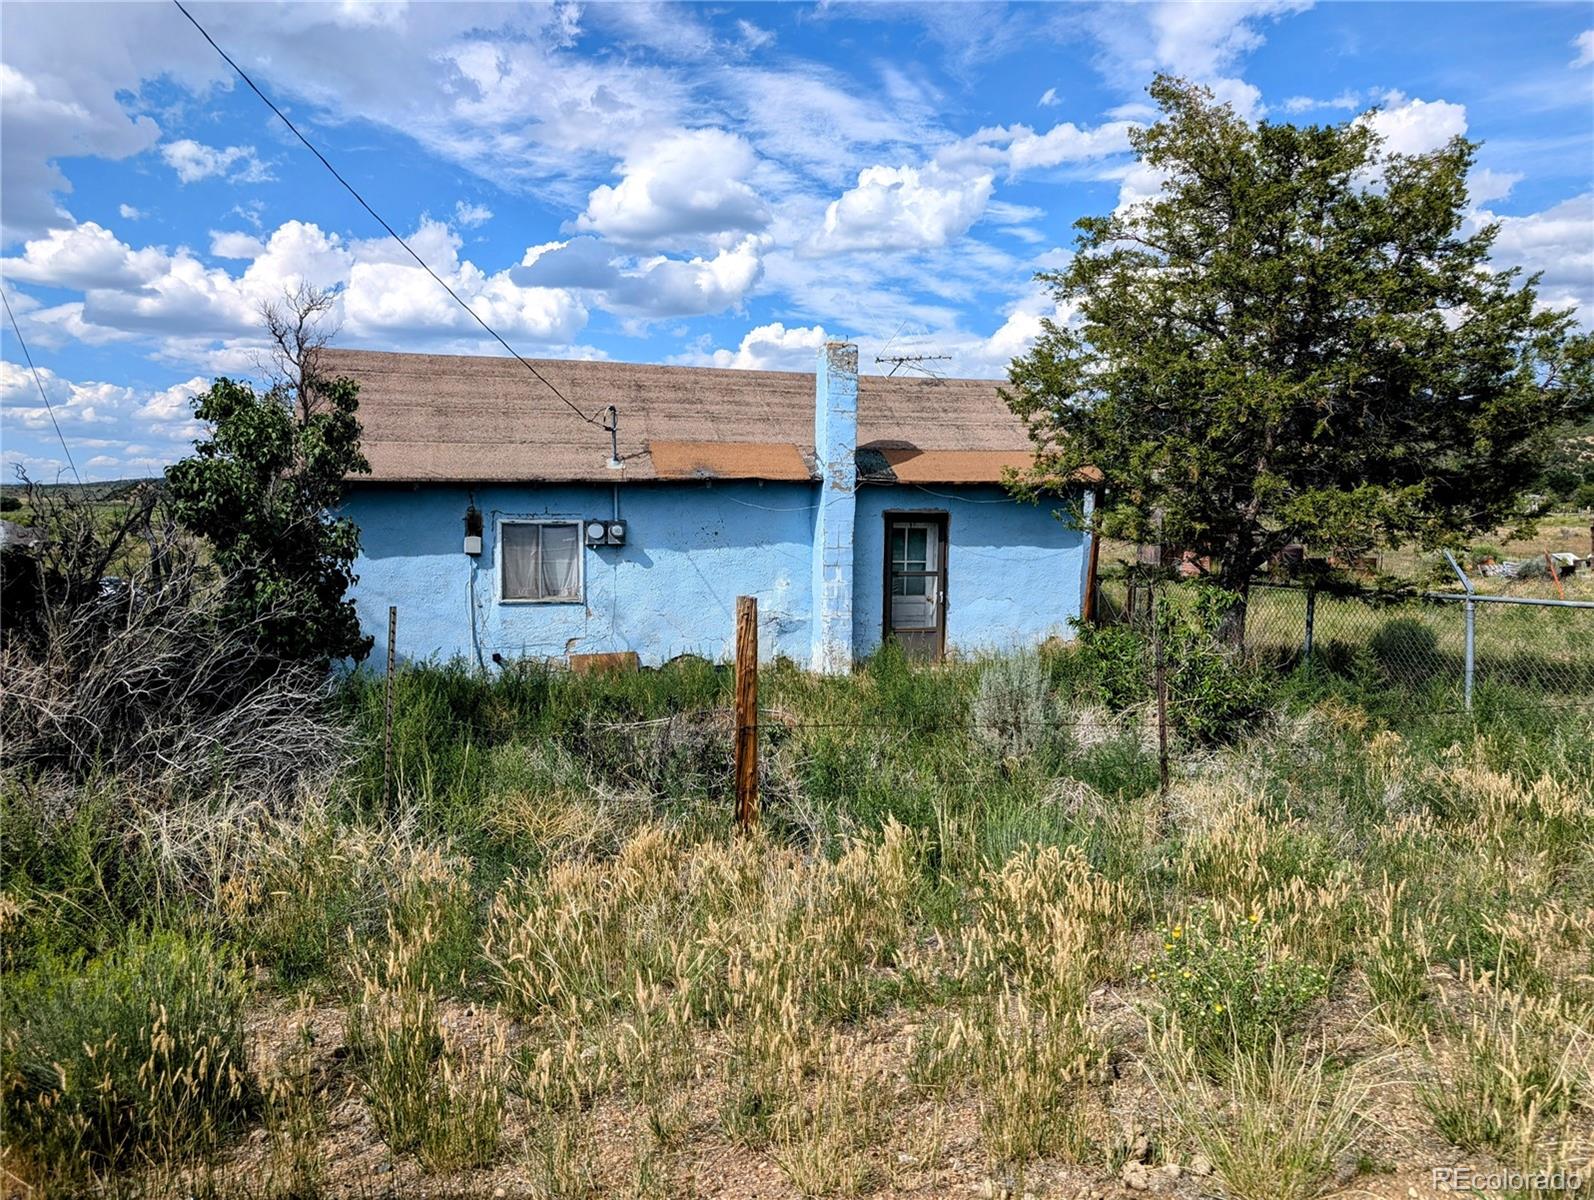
x=541 y=561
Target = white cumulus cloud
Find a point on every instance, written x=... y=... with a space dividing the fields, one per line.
x=905 y=208
x=232 y=244
x=1416 y=126
x=1484 y=184
x=84 y=256
x=136 y=431
x=471 y=215
x=384 y=299
x=771 y=347
x=649 y=287
x=690 y=185
x=1199 y=42
x=666 y=287
x=1066 y=142
x=44 y=118
x=1556 y=242
x=194 y=161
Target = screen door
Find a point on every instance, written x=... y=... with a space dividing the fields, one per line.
x=916 y=583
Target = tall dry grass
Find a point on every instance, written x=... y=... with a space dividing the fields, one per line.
x=956 y=966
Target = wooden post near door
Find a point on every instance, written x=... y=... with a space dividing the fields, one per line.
x=1092 y=574
x=746 y=711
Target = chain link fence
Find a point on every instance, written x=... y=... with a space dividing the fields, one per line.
x=1541 y=646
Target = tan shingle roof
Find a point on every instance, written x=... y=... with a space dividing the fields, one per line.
x=437 y=418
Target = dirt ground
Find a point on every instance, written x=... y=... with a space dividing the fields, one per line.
x=926 y=1147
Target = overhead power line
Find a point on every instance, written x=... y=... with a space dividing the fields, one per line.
x=393 y=233
x=43 y=395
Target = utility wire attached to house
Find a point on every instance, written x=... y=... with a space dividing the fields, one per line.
x=393 y=233
x=43 y=395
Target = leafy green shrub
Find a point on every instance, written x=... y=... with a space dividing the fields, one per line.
x=1117 y=663
x=263 y=489
x=69 y=872
x=1213 y=691
x=140 y=1053
x=1231 y=991
x=1481 y=552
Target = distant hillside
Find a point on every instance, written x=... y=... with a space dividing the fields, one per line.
x=109 y=489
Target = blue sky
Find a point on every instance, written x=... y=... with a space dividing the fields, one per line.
x=725 y=185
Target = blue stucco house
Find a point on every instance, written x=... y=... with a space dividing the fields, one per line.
x=501 y=521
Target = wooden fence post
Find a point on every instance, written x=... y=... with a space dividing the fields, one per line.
x=746 y=711
x=387 y=710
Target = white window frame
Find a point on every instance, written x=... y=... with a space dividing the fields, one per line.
x=581 y=560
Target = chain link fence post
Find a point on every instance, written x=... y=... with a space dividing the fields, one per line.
x=1311 y=622
x=1471 y=618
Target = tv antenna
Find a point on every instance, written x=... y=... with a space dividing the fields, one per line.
x=912 y=361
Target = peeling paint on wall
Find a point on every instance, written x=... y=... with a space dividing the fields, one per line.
x=835 y=445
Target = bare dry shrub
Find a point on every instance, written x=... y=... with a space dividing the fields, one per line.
x=135 y=674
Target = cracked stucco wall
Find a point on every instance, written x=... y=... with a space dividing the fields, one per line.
x=691 y=549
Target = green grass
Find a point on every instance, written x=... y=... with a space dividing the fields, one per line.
x=551 y=919
x=138 y=1053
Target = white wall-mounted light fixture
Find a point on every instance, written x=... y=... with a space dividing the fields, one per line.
x=473 y=531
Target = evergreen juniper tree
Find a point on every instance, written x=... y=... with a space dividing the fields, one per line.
x=1295 y=340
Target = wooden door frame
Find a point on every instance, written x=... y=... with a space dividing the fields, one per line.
x=924 y=516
